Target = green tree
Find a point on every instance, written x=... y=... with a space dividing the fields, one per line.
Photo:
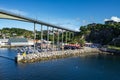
x=81 y=42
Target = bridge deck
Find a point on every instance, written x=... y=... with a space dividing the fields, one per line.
x=12 y=16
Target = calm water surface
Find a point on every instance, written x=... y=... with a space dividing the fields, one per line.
x=74 y=68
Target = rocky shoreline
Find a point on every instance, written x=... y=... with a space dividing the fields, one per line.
x=110 y=51
x=86 y=51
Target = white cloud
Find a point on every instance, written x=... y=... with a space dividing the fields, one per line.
x=14 y=11
x=73 y=24
x=114 y=18
x=106 y=19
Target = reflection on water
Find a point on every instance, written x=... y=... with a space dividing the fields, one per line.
x=75 y=68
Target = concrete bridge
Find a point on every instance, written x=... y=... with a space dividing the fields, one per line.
x=12 y=16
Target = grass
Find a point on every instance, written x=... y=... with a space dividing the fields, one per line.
x=114 y=47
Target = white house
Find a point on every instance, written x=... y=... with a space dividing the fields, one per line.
x=3 y=42
x=18 y=42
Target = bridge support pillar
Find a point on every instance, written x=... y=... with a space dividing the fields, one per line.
x=53 y=37
x=73 y=35
x=58 y=42
x=66 y=37
x=47 y=38
x=41 y=37
x=69 y=36
x=62 y=40
x=34 y=37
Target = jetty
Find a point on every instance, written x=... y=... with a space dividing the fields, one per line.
x=56 y=54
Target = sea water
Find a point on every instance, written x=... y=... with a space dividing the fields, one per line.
x=97 y=67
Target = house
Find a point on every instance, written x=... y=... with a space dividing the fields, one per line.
x=18 y=42
x=3 y=42
x=110 y=22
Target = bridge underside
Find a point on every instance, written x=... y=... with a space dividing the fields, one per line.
x=12 y=16
x=5 y=16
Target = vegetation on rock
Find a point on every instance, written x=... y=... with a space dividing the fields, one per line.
x=101 y=33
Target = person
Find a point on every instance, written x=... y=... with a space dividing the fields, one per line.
x=24 y=55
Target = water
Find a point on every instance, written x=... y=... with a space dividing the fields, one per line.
x=74 y=68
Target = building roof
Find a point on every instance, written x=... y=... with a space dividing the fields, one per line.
x=18 y=40
x=110 y=22
x=4 y=40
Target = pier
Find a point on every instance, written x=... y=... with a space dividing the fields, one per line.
x=56 y=54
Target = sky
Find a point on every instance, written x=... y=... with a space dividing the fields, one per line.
x=66 y=13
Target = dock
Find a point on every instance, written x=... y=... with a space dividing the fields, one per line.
x=34 y=57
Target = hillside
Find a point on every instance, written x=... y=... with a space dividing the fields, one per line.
x=12 y=32
x=102 y=33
